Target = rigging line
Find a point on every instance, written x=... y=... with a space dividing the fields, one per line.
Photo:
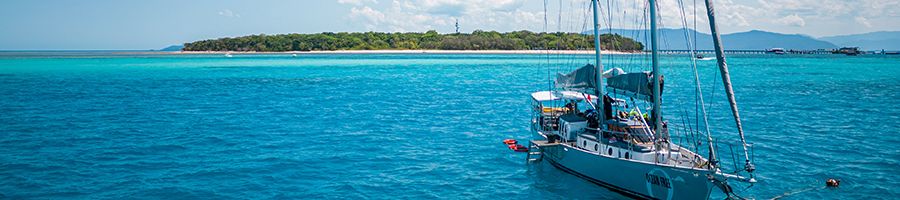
x=697 y=103
x=562 y=36
x=573 y=25
x=546 y=49
x=695 y=26
x=584 y=23
x=609 y=25
x=713 y=87
x=567 y=61
x=695 y=141
x=646 y=32
x=698 y=92
x=661 y=32
x=636 y=34
x=684 y=130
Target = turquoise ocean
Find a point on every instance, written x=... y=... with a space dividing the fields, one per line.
x=101 y=125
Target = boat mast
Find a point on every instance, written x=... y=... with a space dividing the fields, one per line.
x=726 y=80
x=598 y=66
x=654 y=58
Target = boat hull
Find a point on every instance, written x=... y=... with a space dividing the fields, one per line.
x=635 y=179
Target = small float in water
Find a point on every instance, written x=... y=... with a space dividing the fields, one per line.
x=514 y=145
x=832 y=182
x=510 y=141
x=518 y=148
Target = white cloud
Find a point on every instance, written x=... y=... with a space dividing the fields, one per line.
x=356 y=2
x=862 y=20
x=371 y=16
x=228 y=13
x=832 y=9
x=792 y=20
x=815 y=16
x=423 y=15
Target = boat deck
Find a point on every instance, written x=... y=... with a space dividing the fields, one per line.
x=544 y=143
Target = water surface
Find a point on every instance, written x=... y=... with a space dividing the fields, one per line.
x=403 y=126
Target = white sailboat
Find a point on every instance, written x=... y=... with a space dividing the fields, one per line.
x=614 y=144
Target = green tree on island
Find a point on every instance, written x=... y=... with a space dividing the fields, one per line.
x=477 y=40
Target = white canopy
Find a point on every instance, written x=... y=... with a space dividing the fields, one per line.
x=544 y=96
x=569 y=95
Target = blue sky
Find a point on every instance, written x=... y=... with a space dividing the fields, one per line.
x=140 y=25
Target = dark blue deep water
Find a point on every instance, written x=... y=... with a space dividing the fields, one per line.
x=403 y=126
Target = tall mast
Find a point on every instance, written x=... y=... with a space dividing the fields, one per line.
x=657 y=122
x=599 y=67
x=726 y=80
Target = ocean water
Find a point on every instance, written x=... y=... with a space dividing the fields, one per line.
x=381 y=126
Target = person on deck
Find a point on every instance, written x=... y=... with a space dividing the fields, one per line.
x=607 y=107
x=572 y=107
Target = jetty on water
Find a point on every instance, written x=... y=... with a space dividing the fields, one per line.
x=844 y=50
x=745 y=51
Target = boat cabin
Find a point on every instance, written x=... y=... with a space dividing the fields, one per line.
x=570 y=118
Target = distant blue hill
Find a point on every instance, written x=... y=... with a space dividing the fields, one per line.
x=750 y=40
x=173 y=48
x=888 y=40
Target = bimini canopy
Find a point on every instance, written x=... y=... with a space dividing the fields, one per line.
x=568 y=95
x=635 y=82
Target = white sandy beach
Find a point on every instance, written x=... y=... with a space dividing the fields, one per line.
x=408 y=52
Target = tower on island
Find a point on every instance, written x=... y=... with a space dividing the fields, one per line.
x=457 y=25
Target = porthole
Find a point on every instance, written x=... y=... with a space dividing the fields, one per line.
x=584 y=143
x=595 y=147
x=609 y=151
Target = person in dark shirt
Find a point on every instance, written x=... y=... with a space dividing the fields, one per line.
x=607 y=107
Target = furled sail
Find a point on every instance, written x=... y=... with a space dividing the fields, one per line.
x=582 y=79
x=634 y=82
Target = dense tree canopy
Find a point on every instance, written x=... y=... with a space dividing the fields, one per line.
x=477 y=40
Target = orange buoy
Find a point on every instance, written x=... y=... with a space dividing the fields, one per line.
x=510 y=141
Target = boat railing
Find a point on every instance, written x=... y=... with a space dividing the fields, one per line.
x=728 y=151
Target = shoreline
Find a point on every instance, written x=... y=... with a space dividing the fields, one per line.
x=536 y=52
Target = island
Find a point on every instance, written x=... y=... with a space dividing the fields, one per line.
x=431 y=40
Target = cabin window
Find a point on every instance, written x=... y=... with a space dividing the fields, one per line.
x=626 y=155
x=595 y=147
x=584 y=143
x=609 y=151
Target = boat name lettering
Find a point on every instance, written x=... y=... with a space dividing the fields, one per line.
x=658 y=180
